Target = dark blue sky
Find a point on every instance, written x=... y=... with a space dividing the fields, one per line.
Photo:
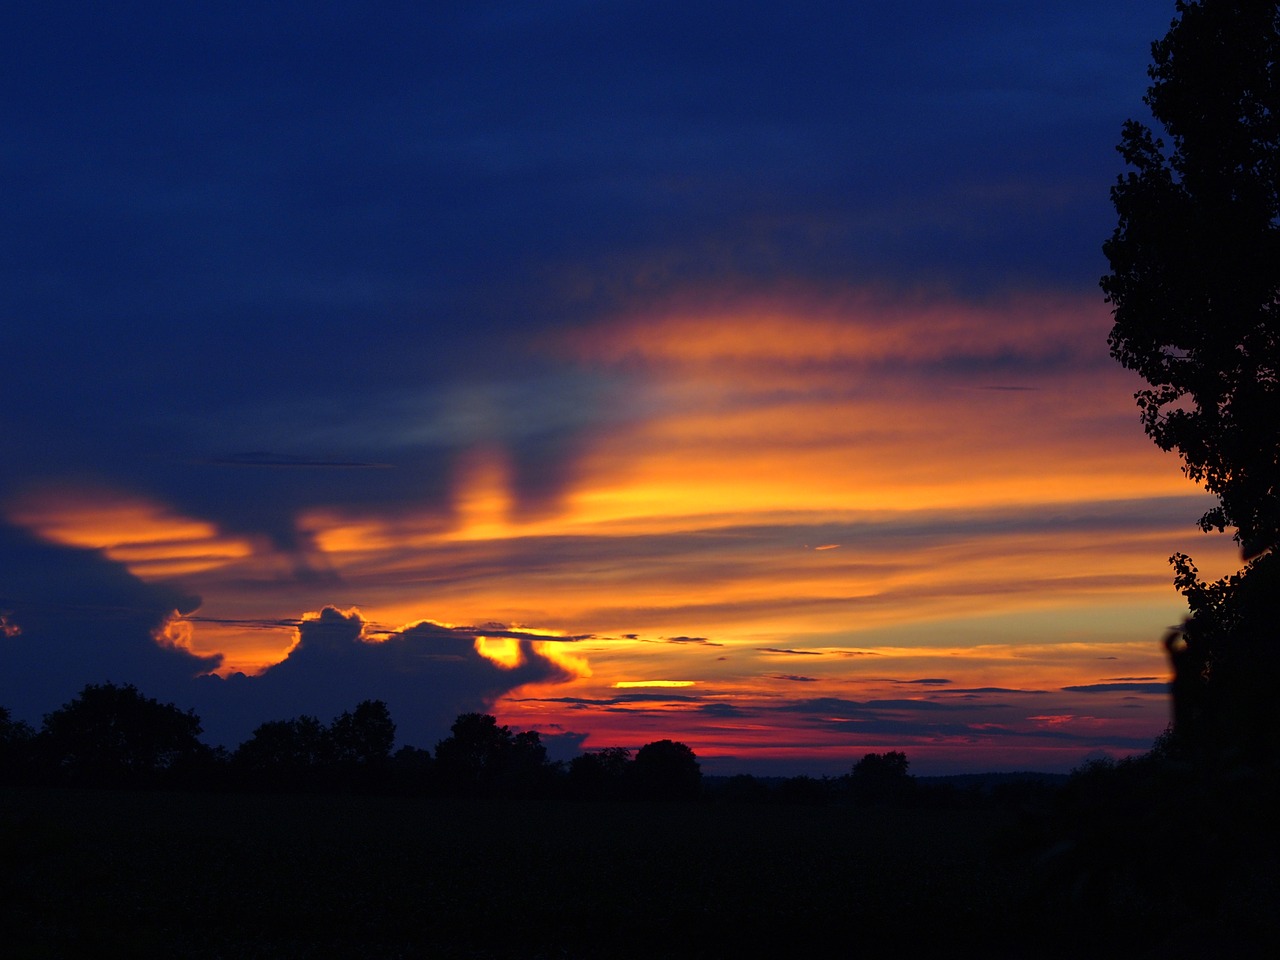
x=263 y=259
x=216 y=211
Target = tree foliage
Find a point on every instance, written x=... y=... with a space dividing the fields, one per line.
x=363 y=738
x=667 y=770
x=15 y=747
x=113 y=735
x=1195 y=294
x=600 y=774
x=482 y=756
x=1195 y=259
x=351 y=752
x=881 y=778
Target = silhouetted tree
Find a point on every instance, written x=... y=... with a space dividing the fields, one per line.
x=1226 y=663
x=526 y=768
x=114 y=736
x=1195 y=259
x=805 y=790
x=745 y=788
x=1194 y=287
x=15 y=748
x=482 y=756
x=599 y=774
x=666 y=770
x=285 y=754
x=881 y=778
x=412 y=770
x=363 y=738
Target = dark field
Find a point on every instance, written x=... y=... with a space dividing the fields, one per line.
x=87 y=873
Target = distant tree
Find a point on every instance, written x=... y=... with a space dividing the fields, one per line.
x=472 y=755
x=805 y=790
x=745 y=788
x=15 y=748
x=114 y=736
x=285 y=754
x=363 y=738
x=600 y=774
x=892 y=765
x=412 y=770
x=667 y=770
x=881 y=778
x=1195 y=294
x=482 y=756
x=527 y=758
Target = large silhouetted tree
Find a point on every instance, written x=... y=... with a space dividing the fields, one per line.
x=667 y=770
x=1195 y=259
x=114 y=736
x=285 y=754
x=363 y=738
x=1194 y=288
x=882 y=778
x=482 y=756
x=600 y=774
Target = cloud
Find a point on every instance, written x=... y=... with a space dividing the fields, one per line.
x=72 y=616
x=619 y=700
x=790 y=653
x=426 y=673
x=260 y=458
x=795 y=678
x=1157 y=688
x=82 y=618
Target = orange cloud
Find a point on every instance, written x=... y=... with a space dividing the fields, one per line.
x=153 y=541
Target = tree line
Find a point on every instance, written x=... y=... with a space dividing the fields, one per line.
x=114 y=736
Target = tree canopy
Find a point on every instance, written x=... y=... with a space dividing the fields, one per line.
x=480 y=755
x=1195 y=259
x=667 y=770
x=1195 y=294
x=113 y=734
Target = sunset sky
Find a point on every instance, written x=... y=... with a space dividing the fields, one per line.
x=730 y=372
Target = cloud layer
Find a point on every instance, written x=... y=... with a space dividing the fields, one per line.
x=750 y=349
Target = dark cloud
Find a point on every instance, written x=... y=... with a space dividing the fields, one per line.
x=620 y=700
x=271 y=260
x=1109 y=687
x=212 y=202
x=1128 y=679
x=264 y=459
x=722 y=709
x=82 y=619
x=73 y=617
x=979 y=690
x=790 y=677
x=427 y=675
x=791 y=653
x=562 y=745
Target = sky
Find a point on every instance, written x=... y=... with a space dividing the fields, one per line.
x=728 y=372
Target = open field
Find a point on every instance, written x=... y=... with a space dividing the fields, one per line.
x=146 y=874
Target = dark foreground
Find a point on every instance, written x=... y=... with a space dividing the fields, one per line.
x=89 y=873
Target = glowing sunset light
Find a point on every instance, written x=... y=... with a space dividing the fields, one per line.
x=151 y=540
x=793 y=382
x=502 y=650
x=482 y=495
